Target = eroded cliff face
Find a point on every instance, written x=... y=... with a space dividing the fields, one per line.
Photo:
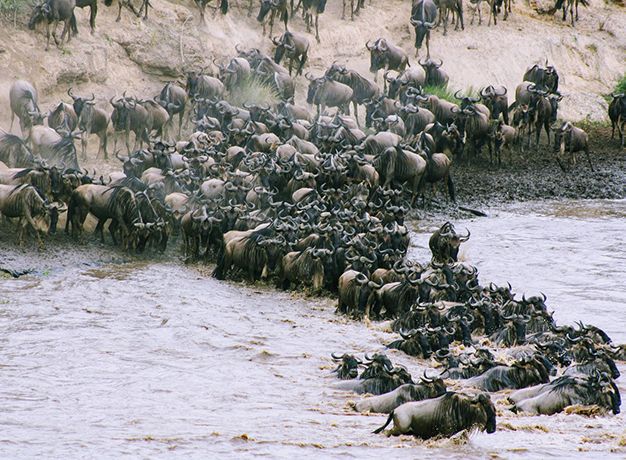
x=139 y=56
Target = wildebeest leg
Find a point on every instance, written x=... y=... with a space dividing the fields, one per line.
x=93 y=11
x=546 y=126
x=47 y=41
x=83 y=145
x=100 y=230
x=317 y=31
x=588 y=158
x=127 y=140
x=343 y=10
x=119 y=11
x=356 y=113
x=103 y=144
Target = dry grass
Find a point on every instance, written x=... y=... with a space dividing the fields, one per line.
x=253 y=91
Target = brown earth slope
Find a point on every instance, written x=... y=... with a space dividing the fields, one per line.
x=139 y=56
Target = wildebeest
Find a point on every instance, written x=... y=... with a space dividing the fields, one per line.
x=567 y=390
x=450 y=6
x=413 y=77
x=442 y=416
x=117 y=203
x=202 y=4
x=306 y=267
x=23 y=101
x=204 y=86
x=53 y=147
x=424 y=15
x=62 y=118
x=496 y=101
x=324 y=92
x=129 y=115
x=545 y=77
x=363 y=90
x=573 y=139
x=312 y=8
x=91 y=120
x=273 y=8
x=14 y=152
x=53 y=11
x=520 y=374
x=354 y=290
x=565 y=4
x=617 y=114
x=385 y=403
x=26 y=204
x=398 y=166
x=293 y=46
x=444 y=243
x=174 y=100
x=435 y=76
x=348 y=367
x=128 y=4
x=247 y=250
x=385 y=55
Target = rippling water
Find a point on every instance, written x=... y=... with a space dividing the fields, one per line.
x=156 y=359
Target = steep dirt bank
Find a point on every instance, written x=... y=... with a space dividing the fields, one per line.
x=139 y=56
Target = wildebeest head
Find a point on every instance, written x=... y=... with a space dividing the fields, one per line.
x=284 y=45
x=376 y=365
x=430 y=66
x=41 y=12
x=422 y=28
x=554 y=100
x=348 y=367
x=445 y=242
x=378 y=54
x=483 y=401
x=79 y=102
x=314 y=86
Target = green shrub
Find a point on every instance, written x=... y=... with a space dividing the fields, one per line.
x=253 y=91
x=621 y=85
x=444 y=92
x=12 y=9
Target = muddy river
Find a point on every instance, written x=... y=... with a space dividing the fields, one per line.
x=153 y=358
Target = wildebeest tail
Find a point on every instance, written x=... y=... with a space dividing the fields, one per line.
x=451 y=189
x=285 y=17
x=108 y=2
x=321 y=6
x=224 y=6
x=559 y=4
x=378 y=430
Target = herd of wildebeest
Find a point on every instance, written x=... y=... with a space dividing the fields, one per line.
x=307 y=198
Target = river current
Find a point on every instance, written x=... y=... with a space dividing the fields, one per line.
x=150 y=359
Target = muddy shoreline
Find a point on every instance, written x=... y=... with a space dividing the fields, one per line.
x=535 y=176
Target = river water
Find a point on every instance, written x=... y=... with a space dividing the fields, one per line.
x=155 y=359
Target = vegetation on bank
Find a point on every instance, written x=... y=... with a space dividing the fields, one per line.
x=253 y=91
x=447 y=93
x=621 y=85
x=11 y=10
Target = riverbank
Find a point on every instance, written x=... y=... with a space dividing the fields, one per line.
x=536 y=176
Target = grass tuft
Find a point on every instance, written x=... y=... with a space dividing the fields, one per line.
x=621 y=85
x=10 y=10
x=444 y=92
x=253 y=91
